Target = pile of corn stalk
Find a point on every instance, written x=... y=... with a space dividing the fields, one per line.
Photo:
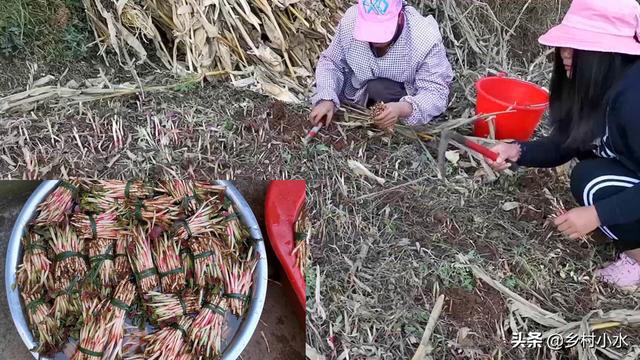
x=104 y=259
x=268 y=46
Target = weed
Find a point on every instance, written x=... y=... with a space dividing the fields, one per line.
x=11 y=41
x=48 y=31
x=455 y=275
x=186 y=86
x=511 y=282
x=310 y=280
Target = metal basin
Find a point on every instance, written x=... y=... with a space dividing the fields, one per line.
x=237 y=341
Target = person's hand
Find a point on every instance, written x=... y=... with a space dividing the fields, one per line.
x=323 y=110
x=578 y=222
x=389 y=117
x=505 y=152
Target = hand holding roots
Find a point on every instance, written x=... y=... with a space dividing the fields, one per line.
x=377 y=109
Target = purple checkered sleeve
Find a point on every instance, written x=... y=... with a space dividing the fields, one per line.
x=432 y=87
x=330 y=71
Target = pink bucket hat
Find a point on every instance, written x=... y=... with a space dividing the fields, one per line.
x=377 y=20
x=598 y=25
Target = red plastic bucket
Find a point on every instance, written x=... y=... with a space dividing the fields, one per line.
x=527 y=101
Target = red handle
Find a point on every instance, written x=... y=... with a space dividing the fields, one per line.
x=475 y=146
x=482 y=150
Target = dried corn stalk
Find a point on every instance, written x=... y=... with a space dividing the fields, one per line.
x=272 y=46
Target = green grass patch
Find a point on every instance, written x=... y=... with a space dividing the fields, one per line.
x=453 y=275
x=44 y=30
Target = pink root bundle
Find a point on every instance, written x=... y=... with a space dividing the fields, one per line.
x=121 y=259
x=58 y=204
x=34 y=272
x=182 y=192
x=142 y=261
x=94 y=334
x=169 y=307
x=169 y=342
x=69 y=260
x=125 y=190
x=233 y=231
x=206 y=258
x=102 y=226
x=201 y=223
x=102 y=261
x=238 y=277
x=167 y=254
x=115 y=314
x=47 y=328
x=206 y=330
x=159 y=210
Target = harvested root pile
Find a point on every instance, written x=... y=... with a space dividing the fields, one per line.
x=93 y=275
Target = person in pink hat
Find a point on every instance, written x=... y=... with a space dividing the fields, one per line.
x=595 y=118
x=384 y=51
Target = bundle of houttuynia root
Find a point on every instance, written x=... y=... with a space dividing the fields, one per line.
x=103 y=260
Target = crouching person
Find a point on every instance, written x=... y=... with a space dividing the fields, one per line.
x=595 y=113
x=384 y=51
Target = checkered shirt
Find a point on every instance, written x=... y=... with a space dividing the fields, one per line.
x=418 y=59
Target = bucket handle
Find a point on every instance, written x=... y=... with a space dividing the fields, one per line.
x=537 y=106
x=503 y=74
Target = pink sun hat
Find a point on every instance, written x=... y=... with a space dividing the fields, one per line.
x=598 y=25
x=377 y=20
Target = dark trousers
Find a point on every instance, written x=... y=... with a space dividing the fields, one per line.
x=599 y=178
x=384 y=90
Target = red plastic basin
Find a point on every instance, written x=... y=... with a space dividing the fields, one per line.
x=285 y=199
